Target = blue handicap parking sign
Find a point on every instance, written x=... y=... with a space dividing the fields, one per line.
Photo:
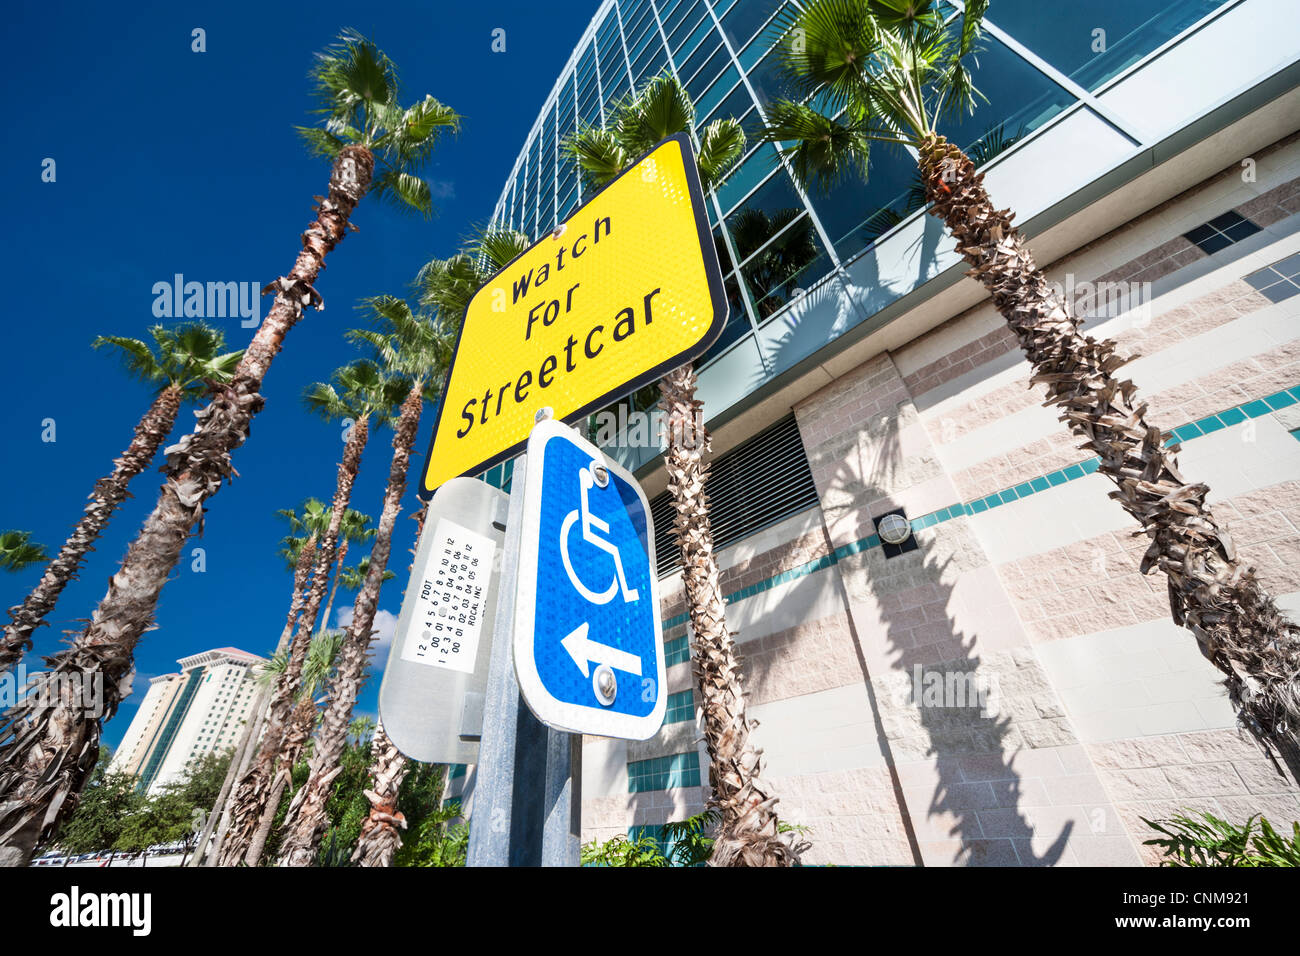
x=588 y=645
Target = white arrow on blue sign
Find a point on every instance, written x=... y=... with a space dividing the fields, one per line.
x=588 y=643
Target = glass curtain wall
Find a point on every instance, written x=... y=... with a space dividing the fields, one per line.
x=775 y=242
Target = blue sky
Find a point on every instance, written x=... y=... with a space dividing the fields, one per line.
x=170 y=161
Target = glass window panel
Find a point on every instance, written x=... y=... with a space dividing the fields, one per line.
x=766 y=212
x=589 y=109
x=636 y=21
x=762 y=43
x=783 y=269
x=768 y=80
x=586 y=71
x=612 y=63
x=720 y=246
x=771 y=206
x=568 y=203
x=689 y=32
x=720 y=7
x=1066 y=39
x=745 y=19
x=701 y=56
x=748 y=174
x=702 y=34
x=651 y=67
x=646 y=33
x=735 y=106
x=737 y=326
x=608 y=29
x=687 y=10
x=619 y=89
x=718 y=92
x=646 y=47
x=707 y=74
x=1019 y=100
x=856 y=213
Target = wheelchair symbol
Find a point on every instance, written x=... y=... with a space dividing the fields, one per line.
x=592 y=529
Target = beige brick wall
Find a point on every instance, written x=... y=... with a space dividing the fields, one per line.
x=1222 y=772
x=941 y=613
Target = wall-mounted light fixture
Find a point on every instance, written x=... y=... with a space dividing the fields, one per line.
x=895 y=533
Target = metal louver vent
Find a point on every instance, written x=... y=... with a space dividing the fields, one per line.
x=752 y=486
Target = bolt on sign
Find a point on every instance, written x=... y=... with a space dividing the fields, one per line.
x=624 y=291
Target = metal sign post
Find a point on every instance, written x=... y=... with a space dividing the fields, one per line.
x=527 y=798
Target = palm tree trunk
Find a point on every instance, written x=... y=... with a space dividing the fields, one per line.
x=108 y=495
x=252 y=732
x=49 y=752
x=306 y=821
x=747 y=832
x=253 y=792
x=334 y=585
x=1235 y=620
x=301 y=724
x=380 y=838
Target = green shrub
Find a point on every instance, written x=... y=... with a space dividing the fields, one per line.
x=1210 y=841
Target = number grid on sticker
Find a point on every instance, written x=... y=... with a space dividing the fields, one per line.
x=448 y=619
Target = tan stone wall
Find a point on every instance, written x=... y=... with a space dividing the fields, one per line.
x=981 y=779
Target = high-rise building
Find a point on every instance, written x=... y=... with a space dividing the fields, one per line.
x=184 y=716
x=1005 y=686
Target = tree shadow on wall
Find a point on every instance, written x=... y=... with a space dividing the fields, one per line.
x=939 y=700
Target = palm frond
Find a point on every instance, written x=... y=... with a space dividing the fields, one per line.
x=821 y=151
x=499 y=246
x=137 y=358
x=721 y=143
x=599 y=154
x=403 y=191
x=18 y=551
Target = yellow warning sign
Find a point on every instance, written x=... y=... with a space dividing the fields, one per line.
x=627 y=289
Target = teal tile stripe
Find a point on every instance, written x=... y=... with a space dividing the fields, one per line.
x=1204 y=426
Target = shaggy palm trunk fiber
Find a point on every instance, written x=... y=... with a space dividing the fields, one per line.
x=380 y=837
x=251 y=736
x=1211 y=592
x=747 y=833
x=49 y=743
x=307 y=819
x=255 y=790
x=380 y=832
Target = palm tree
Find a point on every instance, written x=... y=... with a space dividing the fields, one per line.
x=322 y=655
x=370 y=139
x=353 y=529
x=748 y=831
x=379 y=839
x=360 y=393
x=299 y=554
x=17 y=552
x=893 y=73
x=447 y=285
x=299 y=551
x=412 y=347
x=188 y=362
